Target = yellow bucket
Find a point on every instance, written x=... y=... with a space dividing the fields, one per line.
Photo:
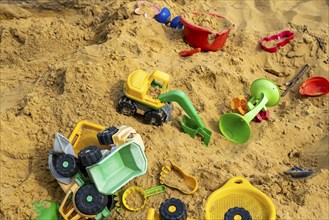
x=239 y=193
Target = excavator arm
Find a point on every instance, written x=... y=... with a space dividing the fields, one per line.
x=191 y=124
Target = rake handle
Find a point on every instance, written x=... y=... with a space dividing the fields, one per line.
x=295 y=79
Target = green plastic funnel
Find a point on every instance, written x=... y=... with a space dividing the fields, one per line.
x=268 y=88
x=236 y=127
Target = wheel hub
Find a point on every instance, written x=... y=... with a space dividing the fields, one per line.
x=89 y=198
x=65 y=164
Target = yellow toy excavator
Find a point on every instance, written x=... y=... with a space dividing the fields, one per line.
x=137 y=98
x=147 y=94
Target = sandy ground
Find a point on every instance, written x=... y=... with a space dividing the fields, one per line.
x=65 y=61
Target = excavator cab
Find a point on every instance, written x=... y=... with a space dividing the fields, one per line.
x=160 y=79
x=144 y=87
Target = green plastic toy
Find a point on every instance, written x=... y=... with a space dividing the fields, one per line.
x=45 y=209
x=236 y=127
x=144 y=194
x=191 y=124
x=116 y=169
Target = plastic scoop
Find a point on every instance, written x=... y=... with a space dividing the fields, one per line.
x=190 y=184
x=144 y=194
x=236 y=127
x=315 y=86
x=281 y=38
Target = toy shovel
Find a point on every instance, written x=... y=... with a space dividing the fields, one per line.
x=236 y=127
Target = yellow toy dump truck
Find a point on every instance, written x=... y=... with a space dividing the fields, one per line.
x=147 y=94
x=92 y=165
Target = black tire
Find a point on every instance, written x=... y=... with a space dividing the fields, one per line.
x=66 y=165
x=89 y=155
x=111 y=202
x=229 y=215
x=83 y=171
x=105 y=136
x=173 y=209
x=89 y=201
x=126 y=106
x=154 y=117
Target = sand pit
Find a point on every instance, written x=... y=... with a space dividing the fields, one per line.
x=65 y=61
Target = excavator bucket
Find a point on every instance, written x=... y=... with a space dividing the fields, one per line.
x=191 y=124
x=190 y=127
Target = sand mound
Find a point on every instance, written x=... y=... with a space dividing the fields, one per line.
x=64 y=61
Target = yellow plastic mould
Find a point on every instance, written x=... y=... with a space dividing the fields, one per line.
x=238 y=192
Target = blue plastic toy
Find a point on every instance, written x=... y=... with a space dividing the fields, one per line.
x=175 y=23
x=298 y=172
x=163 y=16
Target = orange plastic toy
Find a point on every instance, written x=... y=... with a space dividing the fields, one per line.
x=240 y=104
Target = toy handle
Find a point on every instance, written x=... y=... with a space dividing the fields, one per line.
x=155 y=190
x=237 y=182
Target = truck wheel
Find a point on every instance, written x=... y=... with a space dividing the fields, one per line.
x=89 y=201
x=236 y=211
x=105 y=136
x=111 y=202
x=66 y=165
x=126 y=106
x=89 y=155
x=154 y=117
x=173 y=209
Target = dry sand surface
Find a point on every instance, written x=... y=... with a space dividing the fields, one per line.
x=64 y=61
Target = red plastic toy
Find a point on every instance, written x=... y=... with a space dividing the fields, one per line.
x=197 y=36
x=283 y=38
x=186 y=53
x=262 y=115
x=315 y=86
